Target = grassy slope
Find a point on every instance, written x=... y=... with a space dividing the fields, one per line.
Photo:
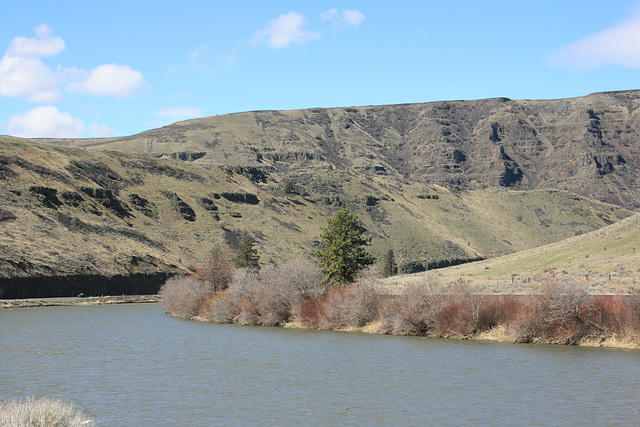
x=471 y=224
x=606 y=260
x=586 y=145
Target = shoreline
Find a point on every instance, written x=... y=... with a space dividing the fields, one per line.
x=497 y=334
x=75 y=301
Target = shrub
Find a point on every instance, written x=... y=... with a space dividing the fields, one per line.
x=285 y=288
x=464 y=313
x=289 y=187
x=633 y=317
x=182 y=296
x=353 y=306
x=431 y=309
x=243 y=295
x=269 y=297
x=219 y=308
x=414 y=311
x=42 y=413
x=216 y=273
x=561 y=314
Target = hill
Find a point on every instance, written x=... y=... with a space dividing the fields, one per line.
x=606 y=260
x=586 y=145
x=95 y=221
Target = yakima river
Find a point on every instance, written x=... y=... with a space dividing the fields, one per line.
x=131 y=365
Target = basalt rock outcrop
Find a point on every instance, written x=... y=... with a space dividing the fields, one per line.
x=439 y=183
x=586 y=145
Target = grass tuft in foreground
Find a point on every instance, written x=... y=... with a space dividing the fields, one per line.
x=43 y=412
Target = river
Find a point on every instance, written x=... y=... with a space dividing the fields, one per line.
x=131 y=365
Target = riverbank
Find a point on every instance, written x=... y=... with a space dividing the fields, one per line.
x=562 y=313
x=499 y=333
x=70 y=301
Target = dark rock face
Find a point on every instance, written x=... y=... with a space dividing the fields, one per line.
x=255 y=174
x=371 y=201
x=180 y=206
x=208 y=204
x=97 y=172
x=69 y=286
x=417 y=266
x=249 y=198
x=72 y=198
x=6 y=215
x=107 y=199
x=188 y=156
x=47 y=196
x=142 y=205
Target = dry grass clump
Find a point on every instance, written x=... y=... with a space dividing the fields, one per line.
x=42 y=413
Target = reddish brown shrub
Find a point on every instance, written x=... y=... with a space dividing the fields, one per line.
x=633 y=314
x=561 y=314
x=414 y=311
x=344 y=307
x=431 y=309
x=216 y=273
x=312 y=311
x=609 y=315
x=353 y=306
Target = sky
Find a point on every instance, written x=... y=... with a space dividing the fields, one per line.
x=114 y=68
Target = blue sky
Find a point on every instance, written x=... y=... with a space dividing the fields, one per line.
x=110 y=68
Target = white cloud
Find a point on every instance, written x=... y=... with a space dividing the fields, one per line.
x=101 y=130
x=616 y=45
x=285 y=29
x=180 y=112
x=43 y=45
x=23 y=75
x=329 y=14
x=350 y=18
x=199 y=52
x=27 y=78
x=45 y=122
x=109 y=80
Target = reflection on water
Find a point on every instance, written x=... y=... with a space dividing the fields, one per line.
x=132 y=365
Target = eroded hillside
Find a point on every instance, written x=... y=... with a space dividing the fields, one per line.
x=75 y=220
x=587 y=145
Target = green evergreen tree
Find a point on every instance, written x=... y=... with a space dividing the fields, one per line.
x=289 y=187
x=344 y=254
x=389 y=267
x=246 y=255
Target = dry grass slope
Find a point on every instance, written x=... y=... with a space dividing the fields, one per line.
x=606 y=260
x=69 y=211
x=434 y=182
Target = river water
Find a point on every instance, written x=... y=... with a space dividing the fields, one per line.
x=131 y=365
